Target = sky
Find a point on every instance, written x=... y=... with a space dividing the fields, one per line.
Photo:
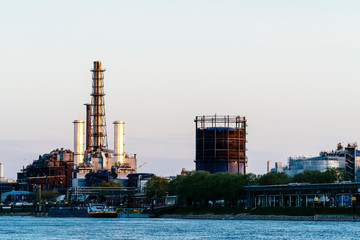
x=290 y=67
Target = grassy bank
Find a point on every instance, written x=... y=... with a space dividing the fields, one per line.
x=288 y=211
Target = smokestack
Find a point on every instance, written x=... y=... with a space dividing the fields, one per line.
x=78 y=142
x=99 y=136
x=2 y=172
x=119 y=141
x=268 y=166
x=88 y=127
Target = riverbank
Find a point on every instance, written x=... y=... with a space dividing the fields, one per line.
x=266 y=213
x=18 y=214
x=244 y=216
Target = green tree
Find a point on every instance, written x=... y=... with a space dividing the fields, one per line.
x=198 y=187
x=309 y=176
x=274 y=178
x=49 y=195
x=334 y=175
x=110 y=183
x=156 y=187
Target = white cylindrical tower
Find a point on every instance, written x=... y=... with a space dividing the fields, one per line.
x=78 y=142
x=1 y=171
x=119 y=141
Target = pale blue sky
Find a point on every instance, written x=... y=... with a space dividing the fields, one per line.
x=290 y=67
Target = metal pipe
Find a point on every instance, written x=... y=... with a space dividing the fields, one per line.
x=88 y=127
x=78 y=142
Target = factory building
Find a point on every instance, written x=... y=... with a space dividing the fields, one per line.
x=278 y=167
x=51 y=171
x=7 y=185
x=322 y=163
x=302 y=195
x=352 y=161
x=221 y=144
x=343 y=157
x=97 y=162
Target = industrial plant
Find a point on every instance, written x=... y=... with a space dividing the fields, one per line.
x=347 y=158
x=52 y=170
x=94 y=172
x=86 y=165
x=221 y=144
x=97 y=162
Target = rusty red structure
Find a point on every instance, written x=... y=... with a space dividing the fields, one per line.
x=221 y=144
x=51 y=171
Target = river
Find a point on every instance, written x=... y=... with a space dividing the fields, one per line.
x=88 y=228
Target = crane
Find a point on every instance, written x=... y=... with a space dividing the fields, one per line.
x=142 y=165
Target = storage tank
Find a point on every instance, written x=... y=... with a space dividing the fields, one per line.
x=78 y=142
x=119 y=141
x=221 y=144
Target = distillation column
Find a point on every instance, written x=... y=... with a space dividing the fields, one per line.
x=119 y=142
x=98 y=133
x=78 y=142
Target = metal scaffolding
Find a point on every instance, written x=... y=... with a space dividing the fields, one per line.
x=99 y=135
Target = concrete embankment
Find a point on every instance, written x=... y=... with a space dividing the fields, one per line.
x=345 y=218
x=21 y=214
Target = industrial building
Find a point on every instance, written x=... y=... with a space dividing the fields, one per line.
x=278 y=167
x=322 y=163
x=302 y=194
x=221 y=144
x=97 y=162
x=51 y=171
x=86 y=165
x=347 y=158
x=352 y=161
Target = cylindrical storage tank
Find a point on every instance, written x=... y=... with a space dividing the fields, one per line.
x=221 y=144
x=1 y=171
x=119 y=141
x=78 y=142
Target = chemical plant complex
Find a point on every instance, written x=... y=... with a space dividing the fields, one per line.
x=347 y=158
x=91 y=160
x=96 y=162
x=220 y=146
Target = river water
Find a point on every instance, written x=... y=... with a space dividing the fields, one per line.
x=88 y=228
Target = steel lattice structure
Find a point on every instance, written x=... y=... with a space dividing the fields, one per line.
x=98 y=122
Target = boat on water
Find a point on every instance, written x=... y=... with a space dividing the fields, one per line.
x=68 y=212
x=102 y=211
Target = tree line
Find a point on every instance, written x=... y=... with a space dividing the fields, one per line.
x=201 y=187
